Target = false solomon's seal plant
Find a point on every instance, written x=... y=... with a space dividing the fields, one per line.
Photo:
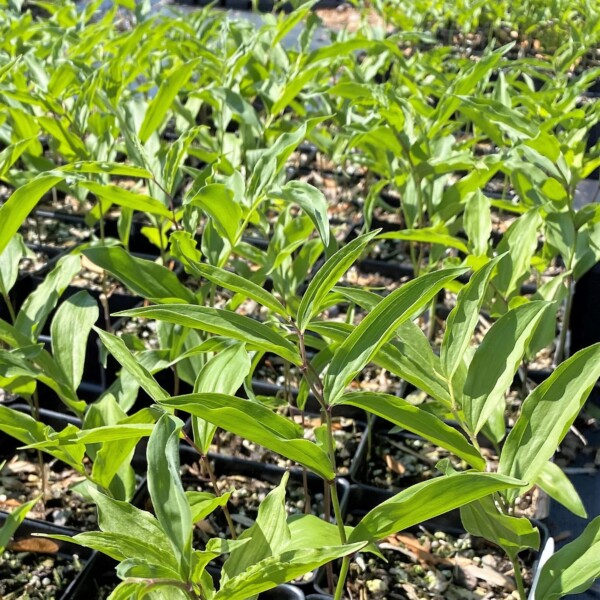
x=277 y=549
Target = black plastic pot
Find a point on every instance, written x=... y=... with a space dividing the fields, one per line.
x=66 y=550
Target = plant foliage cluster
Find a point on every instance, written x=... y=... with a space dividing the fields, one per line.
x=470 y=134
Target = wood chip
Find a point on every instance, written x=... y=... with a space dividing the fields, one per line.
x=394 y=465
x=40 y=545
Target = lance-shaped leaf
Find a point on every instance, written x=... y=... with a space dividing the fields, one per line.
x=258 y=424
x=428 y=235
x=512 y=534
x=221 y=322
x=553 y=480
x=27 y=430
x=410 y=417
x=226 y=279
x=520 y=241
x=463 y=319
x=203 y=504
x=49 y=372
x=281 y=568
x=113 y=194
x=222 y=374
x=116 y=346
x=477 y=222
x=573 y=568
x=70 y=330
x=160 y=105
x=426 y=500
x=11 y=153
x=270 y=534
x=217 y=201
x=166 y=490
x=379 y=326
x=9 y=263
x=547 y=414
x=327 y=276
x=311 y=201
x=409 y=356
x=118 y=517
x=143 y=277
x=21 y=202
x=35 y=310
x=106 y=168
x=496 y=361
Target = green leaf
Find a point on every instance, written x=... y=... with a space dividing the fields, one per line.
x=142 y=569
x=222 y=374
x=427 y=235
x=50 y=373
x=410 y=356
x=560 y=233
x=272 y=160
x=166 y=490
x=378 y=326
x=553 y=480
x=11 y=153
x=496 y=361
x=143 y=277
x=106 y=168
x=573 y=568
x=27 y=430
x=217 y=201
x=230 y=281
x=12 y=522
x=410 y=417
x=463 y=318
x=281 y=568
x=163 y=100
x=477 y=222
x=70 y=330
x=111 y=468
x=113 y=194
x=270 y=534
x=520 y=241
x=258 y=424
x=35 y=310
x=203 y=504
x=512 y=534
x=221 y=322
x=116 y=346
x=426 y=500
x=547 y=414
x=123 y=519
x=311 y=201
x=9 y=263
x=327 y=276
x=21 y=202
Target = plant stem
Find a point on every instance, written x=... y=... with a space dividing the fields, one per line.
x=341 y=584
x=215 y=485
x=213 y=481
x=562 y=340
x=518 y=577
x=11 y=308
x=40 y=456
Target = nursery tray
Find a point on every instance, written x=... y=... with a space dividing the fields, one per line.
x=65 y=550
